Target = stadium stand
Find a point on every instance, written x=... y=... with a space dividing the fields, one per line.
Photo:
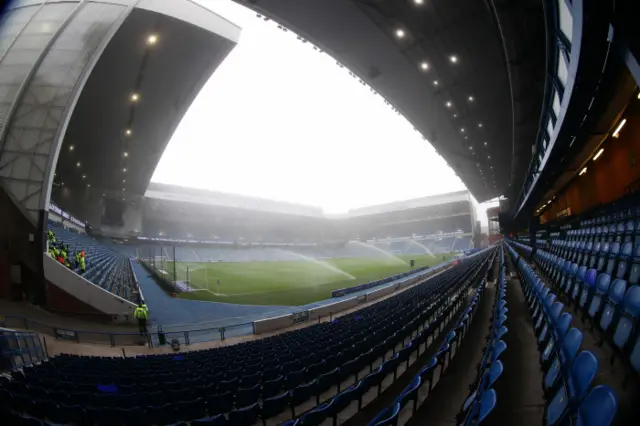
x=568 y=375
x=482 y=399
x=198 y=253
x=587 y=274
x=104 y=267
x=328 y=370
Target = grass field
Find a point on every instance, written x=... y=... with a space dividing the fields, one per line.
x=288 y=283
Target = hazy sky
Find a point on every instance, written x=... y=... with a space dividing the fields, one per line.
x=279 y=120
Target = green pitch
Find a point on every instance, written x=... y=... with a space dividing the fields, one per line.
x=288 y=283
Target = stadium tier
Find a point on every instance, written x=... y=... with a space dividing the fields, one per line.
x=568 y=373
x=189 y=214
x=104 y=267
x=307 y=375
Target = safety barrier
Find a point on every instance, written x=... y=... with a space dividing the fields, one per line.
x=19 y=349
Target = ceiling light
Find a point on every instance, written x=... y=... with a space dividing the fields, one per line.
x=583 y=171
x=88 y=185
x=124 y=189
x=479 y=124
x=124 y=170
x=470 y=147
x=471 y=98
x=466 y=137
x=127 y=132
x=152 y=39
x=135 y=97
x=126 y=154
x=104 y=195
x=71 y=147
x=84 y=176
x=124 y=181
x=455 y=115
x=78 y=164
x=418 y=2
x=462 y=129
x=638 y=95
x=598 y=154
x=620 y=126
x=453 y=59
x=486 y=144
x=449 y=104
x=424 y=66
x=489 y=157
x=435 y=82
x=400 y=33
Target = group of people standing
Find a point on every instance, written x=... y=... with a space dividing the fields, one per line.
x=60 y=252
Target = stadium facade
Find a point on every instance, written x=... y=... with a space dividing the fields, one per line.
x=90 y=94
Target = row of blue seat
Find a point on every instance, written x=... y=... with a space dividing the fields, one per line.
x=331 y=408
x=567 y=374
x=482 y=399
x=623 y=262
x=359 y=339
x=611 y=308
x=426 y=378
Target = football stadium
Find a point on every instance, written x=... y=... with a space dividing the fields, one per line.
x=513 y=299
x=275 y=262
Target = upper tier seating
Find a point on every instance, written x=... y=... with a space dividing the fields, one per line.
x=308 y=374
x=104 y=267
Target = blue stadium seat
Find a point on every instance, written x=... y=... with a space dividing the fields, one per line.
x=597 y=409
x=574 y=387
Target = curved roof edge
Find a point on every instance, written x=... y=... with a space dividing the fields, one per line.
x=195 y=14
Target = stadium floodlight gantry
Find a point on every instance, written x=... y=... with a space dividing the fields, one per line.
x=91 y=91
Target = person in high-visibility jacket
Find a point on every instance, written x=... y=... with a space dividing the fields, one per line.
x=141 y=315
x=83 y=265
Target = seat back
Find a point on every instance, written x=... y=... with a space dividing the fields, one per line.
x=634 y=269
x=495 y=371
x=624 y=260
x=602 y=256
x=487 y=404
x=628 y=317
x=600 y=293
x=594 y=254
x=387 y=417
x=579 y=281
x=612 y=257
x=571 y=345
x=598 y=408
x=614 y=298
x=563 y=323
x=583 y=369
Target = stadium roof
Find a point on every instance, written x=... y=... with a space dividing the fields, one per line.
x=468 y=74
x=160 y=191
x=138 y=91
x=434 y=200
x=212 y=198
